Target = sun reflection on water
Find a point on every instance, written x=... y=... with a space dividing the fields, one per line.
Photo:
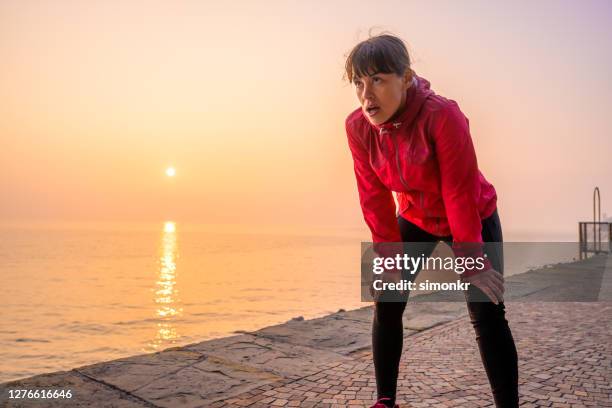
x=166 y=293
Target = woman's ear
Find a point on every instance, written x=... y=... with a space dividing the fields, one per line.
x=407 y=78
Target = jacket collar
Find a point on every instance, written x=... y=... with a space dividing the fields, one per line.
x=416 y=96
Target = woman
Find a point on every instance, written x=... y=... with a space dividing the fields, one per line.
x=405 y=138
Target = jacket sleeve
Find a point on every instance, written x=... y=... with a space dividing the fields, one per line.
x=376 y=199
x=459 y=182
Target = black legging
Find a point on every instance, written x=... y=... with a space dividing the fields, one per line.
x=493 y=335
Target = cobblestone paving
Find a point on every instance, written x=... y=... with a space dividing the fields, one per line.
x=565 y=360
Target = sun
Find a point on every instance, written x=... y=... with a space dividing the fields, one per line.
x=170 y=172
x=169 y=227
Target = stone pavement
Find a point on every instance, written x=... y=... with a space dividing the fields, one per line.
x=565 y=359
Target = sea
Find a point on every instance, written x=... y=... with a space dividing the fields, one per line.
x=77 y=294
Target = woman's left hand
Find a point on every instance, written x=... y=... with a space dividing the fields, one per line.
x=490 y=282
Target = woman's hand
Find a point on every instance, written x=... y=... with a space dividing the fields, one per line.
x=386 y=276
x=490 y=282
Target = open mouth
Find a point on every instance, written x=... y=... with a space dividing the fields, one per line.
x=372 y=110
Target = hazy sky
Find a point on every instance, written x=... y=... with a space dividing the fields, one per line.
x=246 y=101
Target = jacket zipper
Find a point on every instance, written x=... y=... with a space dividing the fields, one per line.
x=423 y=206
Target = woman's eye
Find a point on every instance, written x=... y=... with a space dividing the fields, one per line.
x=376 y=79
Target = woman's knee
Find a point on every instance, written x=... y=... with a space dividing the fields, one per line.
x=389 y=313
x=487 y=314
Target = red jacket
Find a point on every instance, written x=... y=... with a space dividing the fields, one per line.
x=427 y=157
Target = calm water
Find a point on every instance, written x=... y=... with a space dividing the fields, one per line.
x=74 y=296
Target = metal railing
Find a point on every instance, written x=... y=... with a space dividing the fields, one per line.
x=601 y=231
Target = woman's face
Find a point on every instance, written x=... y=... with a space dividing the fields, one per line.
x=381 y=95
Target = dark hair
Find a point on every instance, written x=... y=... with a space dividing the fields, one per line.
x=382 y=53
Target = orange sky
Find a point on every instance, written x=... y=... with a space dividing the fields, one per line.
x=246 y=100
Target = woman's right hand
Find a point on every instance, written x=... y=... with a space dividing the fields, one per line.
x=392 y=276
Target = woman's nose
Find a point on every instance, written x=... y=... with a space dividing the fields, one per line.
x=367 y=91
